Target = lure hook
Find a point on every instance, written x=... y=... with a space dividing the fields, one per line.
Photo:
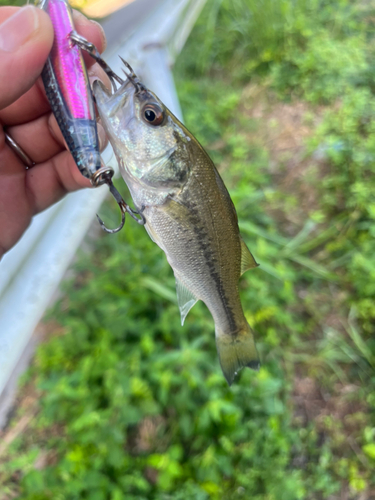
x=132 y=77
x=104 y=176
x=124 y=207
x=133 y=213
x=120 y=203
x=89 y=47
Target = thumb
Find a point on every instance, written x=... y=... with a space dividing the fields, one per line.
x=26 y=39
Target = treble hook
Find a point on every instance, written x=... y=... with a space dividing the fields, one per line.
x=132 y=77
x=104 y=176
x=124 y=207
x=133 y=214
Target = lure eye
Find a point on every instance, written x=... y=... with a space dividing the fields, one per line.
x=153 y=114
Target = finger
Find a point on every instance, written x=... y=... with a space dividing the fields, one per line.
x=28 y=107
x=37 y=139
x=13 y=201
x=92 y=31
x=24 y=193
x=10 y=164
x=34 y=103
x=48 y=182
x=26 y=39
x=42 y=139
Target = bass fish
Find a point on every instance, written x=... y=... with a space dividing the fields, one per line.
x=188 y=212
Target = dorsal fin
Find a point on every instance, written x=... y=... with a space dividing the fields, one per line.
x=185 y=299
x=247 y=260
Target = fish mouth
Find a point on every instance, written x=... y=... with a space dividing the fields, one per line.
x=112 y=103
x=100 y=91
x=112 y=106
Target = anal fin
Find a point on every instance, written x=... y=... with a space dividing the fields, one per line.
x=247 y=260
x=185 y=299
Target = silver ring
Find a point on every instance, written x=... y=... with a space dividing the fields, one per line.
x=101 y=176
x=28 y=162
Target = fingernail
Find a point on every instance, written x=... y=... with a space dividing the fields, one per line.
x=79 y=18
x=17 y=30
x=102 y=34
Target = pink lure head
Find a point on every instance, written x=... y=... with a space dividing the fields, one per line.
x=68 y=63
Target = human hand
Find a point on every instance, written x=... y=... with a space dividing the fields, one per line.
x=26 y=37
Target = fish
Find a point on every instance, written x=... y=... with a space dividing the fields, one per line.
x=188 y=212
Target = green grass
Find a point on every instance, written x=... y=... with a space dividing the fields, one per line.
x=132 y=405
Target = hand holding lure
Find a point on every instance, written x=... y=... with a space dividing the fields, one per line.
x=68 y=91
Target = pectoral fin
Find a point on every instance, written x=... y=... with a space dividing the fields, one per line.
x=185 y=299
x=247 y=260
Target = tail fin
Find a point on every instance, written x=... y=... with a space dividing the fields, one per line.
x=236 y=351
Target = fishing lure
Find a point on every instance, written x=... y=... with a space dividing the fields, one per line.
x=68 y=91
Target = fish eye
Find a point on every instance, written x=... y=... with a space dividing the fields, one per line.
x=153 y=114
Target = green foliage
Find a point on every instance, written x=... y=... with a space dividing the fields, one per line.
x=135 y=392
x=135 y=406
x=323 y=68
x=313 y=48
x=246 y=35
x=4 y=3
x=346 y=139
